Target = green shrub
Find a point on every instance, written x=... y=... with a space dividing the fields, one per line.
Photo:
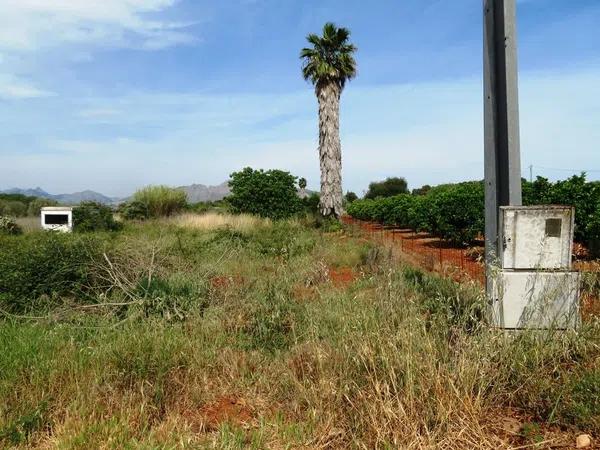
x=19 y=205
x=9 y=226
x=311 y=203
x=93 y=216
x=13 y=208
x=592 y=232
x=134 y=210
x=580 y=403
x=35 y=206
x=387 y=188
x=350 y=197
x=160 y=201
x=43 y=264
x=271 y=193
x=273 y=320
x=457 y=212
x=454 y=211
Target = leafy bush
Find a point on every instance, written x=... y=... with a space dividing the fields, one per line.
x=311 y=203
x=160 y=201
x=9 y=226
x=387 y=188
x=19 y=205
x=457 y=212
x=93 y=216
x=134 y=210
x=34 y=207
x=273 y=318
x=350 y=197
x=13 y=208
x=454 y=212
x=577 y=192
x=43 y=264
x=271 y=193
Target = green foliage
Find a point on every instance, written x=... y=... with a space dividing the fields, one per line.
x=453 y=212
x=282 y=240
x=456 y=211
x=273 y=319
x=19 y=431
x=580 y=402
x=9 y=226
x=134 y=210
x=269 y=193
x=13 y=208
x=19 y=205
x=160 y=201
x=217 y=205
x=302 y=183
x=387 y=188
x=330 y=59
x=93 y=216
x=311 y=203
x=575 y=191
x=350 y=197
x=422 y=190
x=34 y=207
x=43 y=264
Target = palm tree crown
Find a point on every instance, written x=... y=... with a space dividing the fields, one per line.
x=331 y=57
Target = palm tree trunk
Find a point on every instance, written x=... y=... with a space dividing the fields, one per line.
x=330 y=149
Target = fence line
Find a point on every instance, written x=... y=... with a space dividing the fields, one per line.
x=428 y=252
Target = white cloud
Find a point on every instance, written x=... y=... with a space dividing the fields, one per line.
x=34 y=24
x=429 y=132
x=12 y=88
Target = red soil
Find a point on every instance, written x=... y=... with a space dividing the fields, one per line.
x=226 y=409
x=461 y=264
x=225 y=281
x=342 y=276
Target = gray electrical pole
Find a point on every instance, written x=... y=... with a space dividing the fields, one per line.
x=501 y=129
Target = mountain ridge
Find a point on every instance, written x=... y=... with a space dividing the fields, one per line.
x=195 y=193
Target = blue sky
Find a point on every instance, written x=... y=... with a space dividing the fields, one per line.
x=118 y=94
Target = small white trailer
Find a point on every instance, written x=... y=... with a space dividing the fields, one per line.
x=57 y=218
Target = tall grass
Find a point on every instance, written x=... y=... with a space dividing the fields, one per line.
x=161 y=201
x=212 y=221
x=278 y=355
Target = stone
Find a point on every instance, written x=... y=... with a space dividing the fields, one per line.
x=584 y=441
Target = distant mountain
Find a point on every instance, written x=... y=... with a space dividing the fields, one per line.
x=201 y=193
x=66 y=199
x=84 y=196
x=195 y=193
x=37 y=192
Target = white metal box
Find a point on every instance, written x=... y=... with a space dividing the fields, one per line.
x=536 y=237
x=535 y=300
x=57 y=218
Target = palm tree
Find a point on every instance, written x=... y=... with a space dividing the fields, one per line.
x=329 y=63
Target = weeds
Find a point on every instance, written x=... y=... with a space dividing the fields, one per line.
x=182 y=320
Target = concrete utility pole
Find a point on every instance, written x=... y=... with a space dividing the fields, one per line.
x=501 y=129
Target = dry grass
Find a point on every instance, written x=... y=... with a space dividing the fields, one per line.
x=214 y=221
x=29 y=224
x=221 y=353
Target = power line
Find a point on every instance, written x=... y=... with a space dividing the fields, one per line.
x=566 y=170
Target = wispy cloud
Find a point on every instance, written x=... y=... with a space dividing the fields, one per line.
x=428 y=132
x=27 y=25
x=13 y=88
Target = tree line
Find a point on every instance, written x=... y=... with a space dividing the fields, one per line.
x=19 y=205
x=456 y=212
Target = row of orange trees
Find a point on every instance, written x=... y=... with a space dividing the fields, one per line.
x=455 y=212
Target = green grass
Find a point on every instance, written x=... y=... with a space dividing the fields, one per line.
x=176 y=320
